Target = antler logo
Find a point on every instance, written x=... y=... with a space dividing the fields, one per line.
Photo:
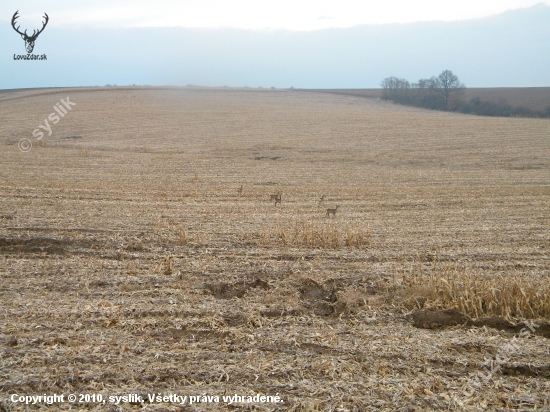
x=29 y=40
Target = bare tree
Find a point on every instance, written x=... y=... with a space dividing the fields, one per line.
x=421 y=89
x=436 y=93
x=445 y=85
x=395 y=89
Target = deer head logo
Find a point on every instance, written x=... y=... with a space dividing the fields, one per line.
x=29 y=40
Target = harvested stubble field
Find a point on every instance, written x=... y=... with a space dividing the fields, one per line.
x=130 y=264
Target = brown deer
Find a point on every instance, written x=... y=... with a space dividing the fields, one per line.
x=29 y=40
x=332 y=211
x=277 y=198
x=321 y=199
x=240 y=190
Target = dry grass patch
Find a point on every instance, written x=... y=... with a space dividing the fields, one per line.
x=524 y=296
x=317 y=234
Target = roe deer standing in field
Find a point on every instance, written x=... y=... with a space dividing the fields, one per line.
x=240 y=190
x=321 y=200
x=277 y=198
x=332 y=211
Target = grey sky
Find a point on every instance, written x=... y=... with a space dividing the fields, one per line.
x=253 y=14
x=504 y=50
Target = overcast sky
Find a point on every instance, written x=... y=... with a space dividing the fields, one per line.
x=252 y=14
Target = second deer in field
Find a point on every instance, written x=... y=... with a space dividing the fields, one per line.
x=277 y=198
x=240 y=190
x=332 y=211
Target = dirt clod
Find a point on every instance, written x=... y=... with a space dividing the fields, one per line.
x=434 y=319
x=234 y=290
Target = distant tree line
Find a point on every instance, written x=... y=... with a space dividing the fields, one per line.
x=445 y=92
x=500 y=108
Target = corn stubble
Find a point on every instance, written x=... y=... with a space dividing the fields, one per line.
x=130 y=263
x=522 y=296
x=317 y=234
